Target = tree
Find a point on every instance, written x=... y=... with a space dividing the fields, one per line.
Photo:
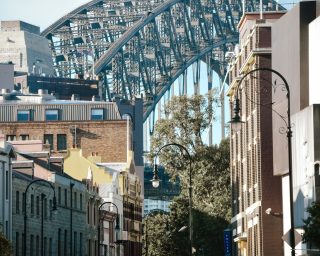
x=186 y=120
x=5 y=246
x=312 y=225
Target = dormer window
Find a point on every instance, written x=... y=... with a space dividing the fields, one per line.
x=23 y=115
x=97 y=114
x=52 y=114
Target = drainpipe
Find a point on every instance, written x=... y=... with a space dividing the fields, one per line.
x=71 y=192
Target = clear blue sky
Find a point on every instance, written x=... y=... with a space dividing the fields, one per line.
x=41 y=13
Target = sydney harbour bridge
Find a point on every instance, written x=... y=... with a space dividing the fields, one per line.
x=139 y=48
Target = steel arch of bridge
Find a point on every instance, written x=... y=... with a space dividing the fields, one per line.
x=141 y=47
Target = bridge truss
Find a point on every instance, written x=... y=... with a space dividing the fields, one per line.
x=140 y=48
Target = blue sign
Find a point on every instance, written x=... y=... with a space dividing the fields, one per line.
x=227 y=238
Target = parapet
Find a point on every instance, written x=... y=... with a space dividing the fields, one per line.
x=18 y=25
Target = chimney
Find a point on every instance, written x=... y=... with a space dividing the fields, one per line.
x=42 y=92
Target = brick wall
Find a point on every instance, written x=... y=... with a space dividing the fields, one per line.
x=107 y=139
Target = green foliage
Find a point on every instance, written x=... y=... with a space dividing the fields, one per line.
x=312 y=225
x=164 y=238
x=5 y=246
x=186 y=120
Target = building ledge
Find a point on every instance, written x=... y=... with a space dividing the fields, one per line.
x=240 y=238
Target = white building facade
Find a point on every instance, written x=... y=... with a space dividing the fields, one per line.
x=6 y=154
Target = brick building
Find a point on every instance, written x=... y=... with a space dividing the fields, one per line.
x=92 y=126
x=254 y=188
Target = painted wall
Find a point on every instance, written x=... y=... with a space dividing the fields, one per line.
x=79 y=167
x=314 y=61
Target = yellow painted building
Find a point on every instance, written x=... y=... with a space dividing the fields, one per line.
x=130 y=190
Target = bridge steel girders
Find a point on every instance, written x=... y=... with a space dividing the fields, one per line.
x=139 y=48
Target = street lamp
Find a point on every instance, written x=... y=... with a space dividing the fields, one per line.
x=117 y=227
x=153 y=211
x=156 y=181
x=236 y=122
x=54 y=208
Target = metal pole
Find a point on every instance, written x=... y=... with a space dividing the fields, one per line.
x=25 y=224
x=190 y=191
x=71 y=213
x=190 y=219
x=292 y=239
x=289 y=136
x=42 y=212
x=99 y=253
x=147 y=237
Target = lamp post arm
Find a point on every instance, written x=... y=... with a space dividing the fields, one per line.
x=288 y=123
x=184 y=149
x=25 y=209
x=109 y=203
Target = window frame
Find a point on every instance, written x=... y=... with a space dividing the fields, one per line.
x=97 y=117
x=64 y=145
x=57 y=115
x=48 y=137
x=28 y=111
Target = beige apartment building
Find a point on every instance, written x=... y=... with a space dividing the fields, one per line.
x=254 y=188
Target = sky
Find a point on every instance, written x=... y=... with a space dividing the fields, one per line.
x=41 y=13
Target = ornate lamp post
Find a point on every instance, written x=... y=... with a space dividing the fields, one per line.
x=117 y=227
x=54 y=208
x=154 y=211
x=156 y=181
x=236 y=125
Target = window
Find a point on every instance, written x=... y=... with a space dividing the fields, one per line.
x=88 y=213
x=21 y=59
x=97 y=114
x=52 y=114
x=75 y=200
x=50 y=246
x=17 y=202
x=48 y=139
x=24 y=137
x=65 y=246
x=59 y=195
x=38 y=205
x=61 y=141
x=7 y=182
x=45 y=246
x=50 y=208
x=17 y=244
x=11 y=137
x=80 y=201
x=32 y=204
x=23 y=201
x=59 y=242
x=75 y=243
x=37 y=246
x=23 y=115
x=65 y=197
x=80 y=245
x=45 y=208
x=31 y=243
